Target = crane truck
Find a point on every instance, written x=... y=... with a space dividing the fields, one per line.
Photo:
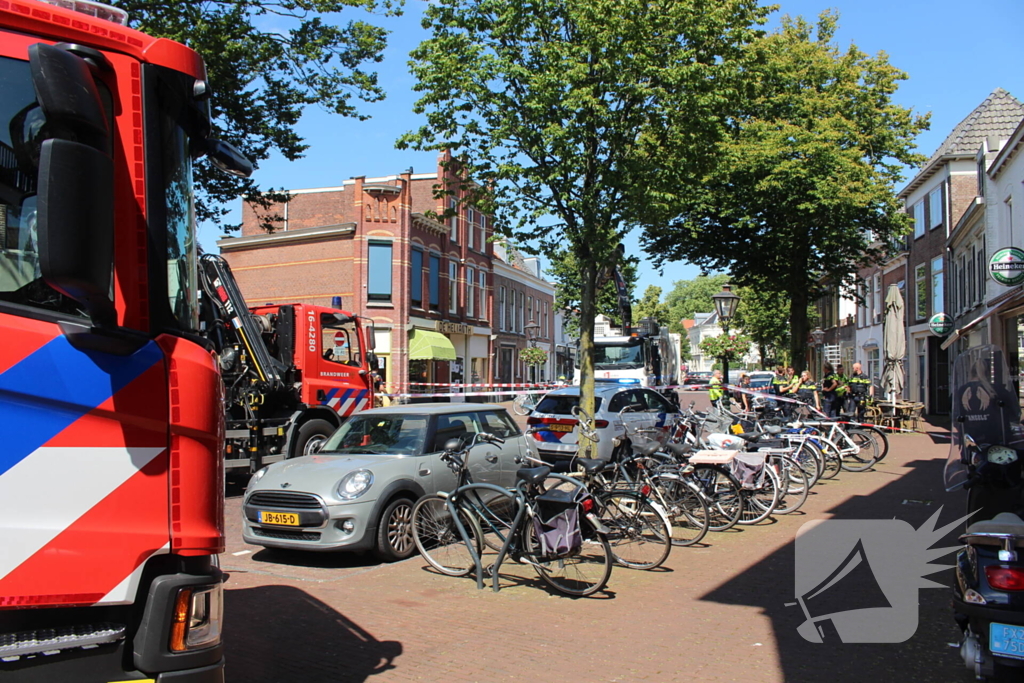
x=291 y=372
x=111 y=468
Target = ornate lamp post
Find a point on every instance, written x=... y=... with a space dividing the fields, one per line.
x=818 y=338
x=726 y=302
x=532 y=329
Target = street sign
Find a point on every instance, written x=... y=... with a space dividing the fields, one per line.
x=941 y=324
x=1007 y=266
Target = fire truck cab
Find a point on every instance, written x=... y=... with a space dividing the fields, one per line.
x=111 y=474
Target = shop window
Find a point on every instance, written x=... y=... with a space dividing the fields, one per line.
x=379 y=276
x=416 y=278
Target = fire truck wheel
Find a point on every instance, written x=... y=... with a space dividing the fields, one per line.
x=311 y=437
x=394 y=532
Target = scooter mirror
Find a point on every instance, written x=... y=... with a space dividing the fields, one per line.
x=970 y=441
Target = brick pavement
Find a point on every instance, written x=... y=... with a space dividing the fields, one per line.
x=712 y=613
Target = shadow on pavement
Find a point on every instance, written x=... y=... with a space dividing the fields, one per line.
x=914 y=497
x=307 y=636
x=307 y=558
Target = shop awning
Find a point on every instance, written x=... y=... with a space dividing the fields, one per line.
x=427 y=345
x=1004 y=303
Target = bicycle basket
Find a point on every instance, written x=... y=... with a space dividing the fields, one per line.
x=557 y=522
x=745 y=467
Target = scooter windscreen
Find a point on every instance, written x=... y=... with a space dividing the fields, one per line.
x=985 y=408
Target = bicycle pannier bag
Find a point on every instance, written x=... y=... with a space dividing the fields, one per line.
x=557 y=522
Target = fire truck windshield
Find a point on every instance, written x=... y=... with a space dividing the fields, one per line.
x=22 y=132
x=623 y=356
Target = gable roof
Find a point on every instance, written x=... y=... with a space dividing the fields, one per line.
x=997 y=116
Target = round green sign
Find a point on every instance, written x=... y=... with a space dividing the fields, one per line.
x=940 y=324
x=1007 y=266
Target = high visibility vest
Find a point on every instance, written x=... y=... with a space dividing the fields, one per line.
x=715 y=391
x=860 y=385
x=830 y=378
x=777 y=384
x=841 y=389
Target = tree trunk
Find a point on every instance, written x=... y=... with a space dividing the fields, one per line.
x=762 y=352
x=588 y=314
x=798 y=329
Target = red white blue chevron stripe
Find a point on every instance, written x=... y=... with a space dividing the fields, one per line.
x=346 y=401
x=83 y=485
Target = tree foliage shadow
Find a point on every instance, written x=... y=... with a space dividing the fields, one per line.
x=926 y=657
x=279 y=634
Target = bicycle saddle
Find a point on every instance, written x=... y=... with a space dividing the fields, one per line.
x=749 y=436
x=679 y=449
x=773 y=429
x=648 y=448
x=591 y=466
x=533 y=475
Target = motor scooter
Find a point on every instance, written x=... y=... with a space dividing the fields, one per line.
x=985 y=459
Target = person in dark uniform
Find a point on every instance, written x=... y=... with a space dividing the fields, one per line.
x=861 y=389
x=806 y=389
x=829 y=384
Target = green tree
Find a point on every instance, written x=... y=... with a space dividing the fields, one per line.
x=692 y=296
x=807 y=179
x=651 y=306
x=579 y=118
x=763 y=315
x=265 y=62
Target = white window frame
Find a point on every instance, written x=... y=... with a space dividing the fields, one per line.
x=483 y=233
x=920 y=278
x=935 y=207
x=470 y=292
x=938 y=286
x=470 y=226
x=919 y=220
x=501 y=309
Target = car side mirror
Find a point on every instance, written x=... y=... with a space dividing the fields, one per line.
x=227 y=158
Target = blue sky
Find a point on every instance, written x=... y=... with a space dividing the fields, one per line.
x=955 y=53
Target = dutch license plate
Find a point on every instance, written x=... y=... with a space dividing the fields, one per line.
x=560 y=428
x=1006 y=640
x=284 y=518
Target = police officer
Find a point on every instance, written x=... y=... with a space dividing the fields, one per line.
x=842 y=389
x=861 y=389
x=715 y=390
x=779 y=381
x=829 y=384
x=806 y=389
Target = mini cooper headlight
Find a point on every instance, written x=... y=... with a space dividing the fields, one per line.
x=257 y=476
x=354 y=484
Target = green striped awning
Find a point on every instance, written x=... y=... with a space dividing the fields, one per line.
x=427 y=345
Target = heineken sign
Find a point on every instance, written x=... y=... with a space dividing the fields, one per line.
x=1007 y=266
x=941 y=324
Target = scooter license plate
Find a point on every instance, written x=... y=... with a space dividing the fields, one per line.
x=1006 y=640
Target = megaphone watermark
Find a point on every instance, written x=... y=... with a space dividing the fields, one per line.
x=856 y=580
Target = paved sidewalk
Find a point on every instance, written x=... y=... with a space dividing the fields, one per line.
x=712 y=613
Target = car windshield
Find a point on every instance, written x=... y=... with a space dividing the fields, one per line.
x=403 y=434
x=562 y=404
x=620 y=356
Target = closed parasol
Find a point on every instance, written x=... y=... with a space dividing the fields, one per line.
x=894 y=343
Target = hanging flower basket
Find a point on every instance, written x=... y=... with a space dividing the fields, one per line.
x=533 y=356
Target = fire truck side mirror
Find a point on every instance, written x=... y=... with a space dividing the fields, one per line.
x=227 y=158
x=75 y=220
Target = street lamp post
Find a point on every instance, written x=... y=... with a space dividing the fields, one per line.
x=817 y=338
x=532 y=329
x=726 y=302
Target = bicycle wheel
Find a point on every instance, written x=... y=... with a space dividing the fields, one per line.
x=523 y=404
x=438 y=538
x=794 y=487
x=639 y=535
x=832 y=462
x=759 y=502
x=581 y=574
x=881 y=440
x=687 y=509
x=494 y=517
x=722 y=493
x=809 y=458
x=865 y=457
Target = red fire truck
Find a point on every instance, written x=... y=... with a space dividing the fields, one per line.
x=111 y=473
x=292 y=372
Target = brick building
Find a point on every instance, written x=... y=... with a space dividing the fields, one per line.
x=947 y=243
x=426 y=282
x=521 y=295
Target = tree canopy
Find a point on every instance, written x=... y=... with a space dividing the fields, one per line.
x=566 y=272
x=651 y=306
x=806 y=180
x=763 y=315
x=592 y=113
x=688 y=297
x=265 y=62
